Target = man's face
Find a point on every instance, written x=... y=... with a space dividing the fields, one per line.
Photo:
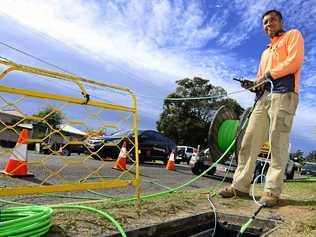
x=272 y=24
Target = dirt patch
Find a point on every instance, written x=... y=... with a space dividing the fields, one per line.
x=296 y=213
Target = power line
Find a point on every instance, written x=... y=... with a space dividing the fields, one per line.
x=43 y=35
x=36 y=58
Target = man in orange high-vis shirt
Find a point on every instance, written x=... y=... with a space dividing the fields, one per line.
x=273 y=114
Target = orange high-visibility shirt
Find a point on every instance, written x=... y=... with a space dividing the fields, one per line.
x=283 y=57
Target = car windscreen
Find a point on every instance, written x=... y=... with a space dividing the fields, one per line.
x=121 y=134
x=310 y=166
x=190 y=150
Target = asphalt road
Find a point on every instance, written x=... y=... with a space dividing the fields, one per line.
x=56 y=169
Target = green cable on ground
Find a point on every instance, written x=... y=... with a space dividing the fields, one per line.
x=100 y=194
x=197 y=177
x=21 y=222
x=185 y=184
x=129 y=199
x=94 y=210
x=245 y=227
x=103 y=214
x=67 y=196
x=25 y=221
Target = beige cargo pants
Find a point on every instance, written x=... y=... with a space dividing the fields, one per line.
x=272 y=113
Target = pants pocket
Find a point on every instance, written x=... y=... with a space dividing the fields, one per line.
x=284 y=121
x=289 y=102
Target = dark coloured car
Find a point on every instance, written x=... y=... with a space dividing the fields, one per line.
x=152 y=145
x=309 y=169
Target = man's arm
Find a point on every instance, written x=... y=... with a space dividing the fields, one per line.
x=295 y=57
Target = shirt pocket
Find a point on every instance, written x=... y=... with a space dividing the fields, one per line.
x=279 y=51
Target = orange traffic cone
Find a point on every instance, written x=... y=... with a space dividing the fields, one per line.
x=120 y=163
x=17 y=164
x=171 y=165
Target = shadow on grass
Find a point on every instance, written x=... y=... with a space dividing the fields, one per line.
x=291 y=202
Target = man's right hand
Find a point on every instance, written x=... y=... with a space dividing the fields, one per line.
x=247 y=84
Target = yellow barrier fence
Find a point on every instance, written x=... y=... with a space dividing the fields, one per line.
x=68 y=119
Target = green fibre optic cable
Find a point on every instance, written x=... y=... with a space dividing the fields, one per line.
x=36 y=220
x=42 y=228
x=25 y=221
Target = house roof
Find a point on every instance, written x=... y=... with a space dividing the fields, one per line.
x=70 y=129
x=12 y=112
x=63 y=127
x=26 y=125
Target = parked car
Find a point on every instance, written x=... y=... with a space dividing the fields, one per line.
x=309 y=168
x=184 y=154
x=93 y=142
x=152 y=145
x=203 y=161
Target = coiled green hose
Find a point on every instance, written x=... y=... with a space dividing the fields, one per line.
x=230 y=147
x=36 y=220
x=25 y=221
x=226 y=134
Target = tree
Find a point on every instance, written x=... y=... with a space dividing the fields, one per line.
x=311 y=157
x=52 y=116
x=187 y=121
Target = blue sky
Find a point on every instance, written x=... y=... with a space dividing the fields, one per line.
x=148 y=45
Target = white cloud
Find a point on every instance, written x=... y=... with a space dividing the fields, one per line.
x=163 y=41
x=130 y=34
x=249 y=18
x=309 y=80
x=304 y=126
x=144 y=35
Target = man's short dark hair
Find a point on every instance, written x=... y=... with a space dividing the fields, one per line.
x=271 y=11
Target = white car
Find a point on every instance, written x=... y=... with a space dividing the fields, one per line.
x=184 y=153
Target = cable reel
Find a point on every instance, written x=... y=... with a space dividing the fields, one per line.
x=224 y=127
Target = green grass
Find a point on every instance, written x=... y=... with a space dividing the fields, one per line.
x=299 y=196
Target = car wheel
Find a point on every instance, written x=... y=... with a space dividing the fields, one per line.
x=141 y=159
x=256 y=174
x=290 y=175
x=211 y=171
x=165 y=160
x=289 y=171
x=95 y=157
x=66 y=152
x=197 y=169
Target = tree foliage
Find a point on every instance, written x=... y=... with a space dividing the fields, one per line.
x=187 y=121
x=311 y=157
x=51 y=118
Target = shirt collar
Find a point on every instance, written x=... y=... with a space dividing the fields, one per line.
x=276 y=37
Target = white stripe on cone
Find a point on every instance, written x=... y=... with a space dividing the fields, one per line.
x=19 y=152
x=171 y=157
x=122 y=152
